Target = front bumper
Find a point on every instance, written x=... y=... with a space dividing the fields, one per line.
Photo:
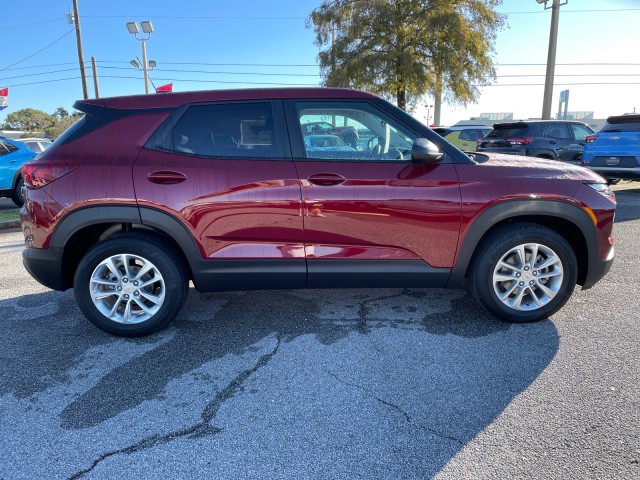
x=598 y=269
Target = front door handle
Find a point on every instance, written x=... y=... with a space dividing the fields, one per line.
x=166 y=177
x=326 y=179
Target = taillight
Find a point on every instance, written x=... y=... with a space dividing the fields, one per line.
x=590 y=138
x=520 y=140
x=37 y=175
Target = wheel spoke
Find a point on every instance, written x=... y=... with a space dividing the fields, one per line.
x=553 y=273
x=509 y=292
x=515 y=303
x=125 y=263
x=546 y=290
x=522 y=255
x=104 y=281
x=548 y=262
x=501 y=277
x=145 y=269
x=534 y=255
x=535 y=297
x=156 y=299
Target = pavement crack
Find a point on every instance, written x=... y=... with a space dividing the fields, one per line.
x=397 y=408
x=200 y=429
x=363 y=309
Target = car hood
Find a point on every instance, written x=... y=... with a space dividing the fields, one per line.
x=532 y=167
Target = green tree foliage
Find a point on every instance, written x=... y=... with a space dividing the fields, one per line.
x=408 y=48
x=60 y=126
x=29 y=120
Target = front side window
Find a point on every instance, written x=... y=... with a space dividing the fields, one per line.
x=352 y=131
x=580 y=132
x=241 y=130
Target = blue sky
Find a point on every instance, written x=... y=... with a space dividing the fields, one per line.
x=247 y=43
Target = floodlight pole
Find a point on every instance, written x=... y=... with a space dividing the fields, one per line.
x=145 y=67
x=551 y=58
x=147 y=29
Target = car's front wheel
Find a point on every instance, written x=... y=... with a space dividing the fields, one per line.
x=523 y=272
x=130 y=285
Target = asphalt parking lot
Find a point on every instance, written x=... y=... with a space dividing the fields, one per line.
x=325 y=384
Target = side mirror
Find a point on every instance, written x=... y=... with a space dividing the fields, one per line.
x=424 y=151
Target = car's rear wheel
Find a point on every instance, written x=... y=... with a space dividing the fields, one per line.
x=130 y=285
x=16 y=195
x=523 y=272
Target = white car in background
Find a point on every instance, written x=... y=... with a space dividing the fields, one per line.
x=37 y=145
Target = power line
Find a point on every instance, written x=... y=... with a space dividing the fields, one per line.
x=34 y=54
x=4 y=27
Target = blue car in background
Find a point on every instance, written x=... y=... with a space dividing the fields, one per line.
x=12 y=155
x=614 y=151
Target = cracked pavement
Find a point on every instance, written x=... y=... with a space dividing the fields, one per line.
x=383 y=383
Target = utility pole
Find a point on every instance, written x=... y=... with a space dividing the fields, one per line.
x=551 y=57
x=94 y=69
x=83 y=75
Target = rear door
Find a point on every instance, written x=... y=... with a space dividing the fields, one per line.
x=225 y=171
x=372 y=217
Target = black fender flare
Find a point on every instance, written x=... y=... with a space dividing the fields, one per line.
x=512 y=209
x=149 y=217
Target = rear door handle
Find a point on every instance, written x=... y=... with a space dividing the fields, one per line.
x=326 y=179
x=166 y=177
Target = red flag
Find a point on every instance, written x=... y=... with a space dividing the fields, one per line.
x=165 y=88
x=4 y=95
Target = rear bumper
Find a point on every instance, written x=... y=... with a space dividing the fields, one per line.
x=611 y=172
x=597 y=270
x=45 y=265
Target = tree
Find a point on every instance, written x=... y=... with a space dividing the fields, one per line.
x=408 y=48
x=29 y=120
x=60 y=113
x=60 y=126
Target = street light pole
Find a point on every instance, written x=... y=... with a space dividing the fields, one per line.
x=551 y=56
x=147 y=28
x=145 y=67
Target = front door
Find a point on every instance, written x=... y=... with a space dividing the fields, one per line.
x=372 y=217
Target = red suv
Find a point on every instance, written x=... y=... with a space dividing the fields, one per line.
x=145 y=193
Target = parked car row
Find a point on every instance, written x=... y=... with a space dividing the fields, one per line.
x=613 y=152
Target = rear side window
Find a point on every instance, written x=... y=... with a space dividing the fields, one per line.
x=8 y=148
x=241 y=130
x=557 y=131
x=621 y=127
x=509 y=132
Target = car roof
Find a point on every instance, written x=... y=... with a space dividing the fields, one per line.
x=624 y=119
x=524 y=123
x=172 y=100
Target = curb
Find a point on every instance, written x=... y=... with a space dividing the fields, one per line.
x=9 y=224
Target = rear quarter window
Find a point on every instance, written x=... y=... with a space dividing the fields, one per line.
x=621 y=127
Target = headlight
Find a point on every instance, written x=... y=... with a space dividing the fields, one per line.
x=603 y=189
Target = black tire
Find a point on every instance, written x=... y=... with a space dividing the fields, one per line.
x=559 y=279
x=160 y=300
x=16 y=195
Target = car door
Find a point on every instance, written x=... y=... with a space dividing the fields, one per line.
x=372 y=217
x=225 y=171
x=558 y=135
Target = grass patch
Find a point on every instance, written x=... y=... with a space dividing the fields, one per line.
x=10 y=215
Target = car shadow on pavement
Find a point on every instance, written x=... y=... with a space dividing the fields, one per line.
x=628 y=207
x=433 y=358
